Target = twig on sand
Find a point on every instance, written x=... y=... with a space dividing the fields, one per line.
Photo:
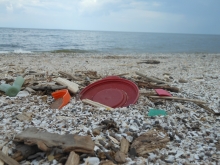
x=152 y=86
x=69 y=75
x=208 y=109
x=96 y=104
x=150 y=78
x=177 y=98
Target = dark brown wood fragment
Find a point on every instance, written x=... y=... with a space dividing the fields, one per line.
x=106 y=162
x=24 y=151
x=46 y=141
x=149 y=62
x=149 y=142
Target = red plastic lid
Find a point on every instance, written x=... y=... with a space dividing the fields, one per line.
x=112 y=91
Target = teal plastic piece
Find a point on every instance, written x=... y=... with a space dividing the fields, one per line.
x=12 y=90
x=157 y=112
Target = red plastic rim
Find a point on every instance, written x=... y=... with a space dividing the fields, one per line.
x=112 y=91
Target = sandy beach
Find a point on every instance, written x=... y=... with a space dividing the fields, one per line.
x=193 y=131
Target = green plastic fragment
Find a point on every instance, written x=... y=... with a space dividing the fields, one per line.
x=157 y=112
x=12 y=90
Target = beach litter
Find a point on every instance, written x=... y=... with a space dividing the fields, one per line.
x=62 y=97
x=162 y=92
x=156 y=112
x=12 y=90
x=111 y=91
x=139 y=131
x=72 y=87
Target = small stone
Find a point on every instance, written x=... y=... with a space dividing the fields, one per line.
x=129 y=138
x=182 y=81
x=218 y=147
x=146 y=126
x=95 y=132
x=208 y=154
x=196 y=156
x=22 y=94
x=50 y=157
x=132 y=152
x=201 y=155
x=157 y=122
x=44 y=98
x=170 y=159
x=137 y=122
x=177 y=140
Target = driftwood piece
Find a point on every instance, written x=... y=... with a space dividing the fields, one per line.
x=46 y=87
x=30 y=90
x=24 y=151
x=152 y=86
x=148 y=93
x=5 y=151
x=96 y=104
x=149 y=142
x=73 y=87
x=122 y=74
x=124 y=145
x=73 y=159
x=3 y=144
x=46 y=141
x=69 y=76
x=150 y=78
x=89 y=73
x=149 y=62
x=120 y=157
x=177 y=98
x=106 y=162
x=208 y=109
x=7 y=159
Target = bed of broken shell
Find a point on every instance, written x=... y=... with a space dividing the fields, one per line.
x=193 y=132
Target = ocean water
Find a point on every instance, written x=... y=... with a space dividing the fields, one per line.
x=19 y=40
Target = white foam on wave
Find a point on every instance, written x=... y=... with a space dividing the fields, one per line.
x=21 y=51
x=1 y=52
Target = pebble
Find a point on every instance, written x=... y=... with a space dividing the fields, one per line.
x=182 y=81
x=170 y=159
x=208 y=154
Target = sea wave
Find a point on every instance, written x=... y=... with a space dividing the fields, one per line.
x=1 y=52
x=73 y=51
x=16 y=51
x=21 y=51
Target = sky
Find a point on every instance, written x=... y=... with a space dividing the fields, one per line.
x=163 y=16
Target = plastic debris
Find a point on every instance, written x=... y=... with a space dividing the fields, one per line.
x=156 y=112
